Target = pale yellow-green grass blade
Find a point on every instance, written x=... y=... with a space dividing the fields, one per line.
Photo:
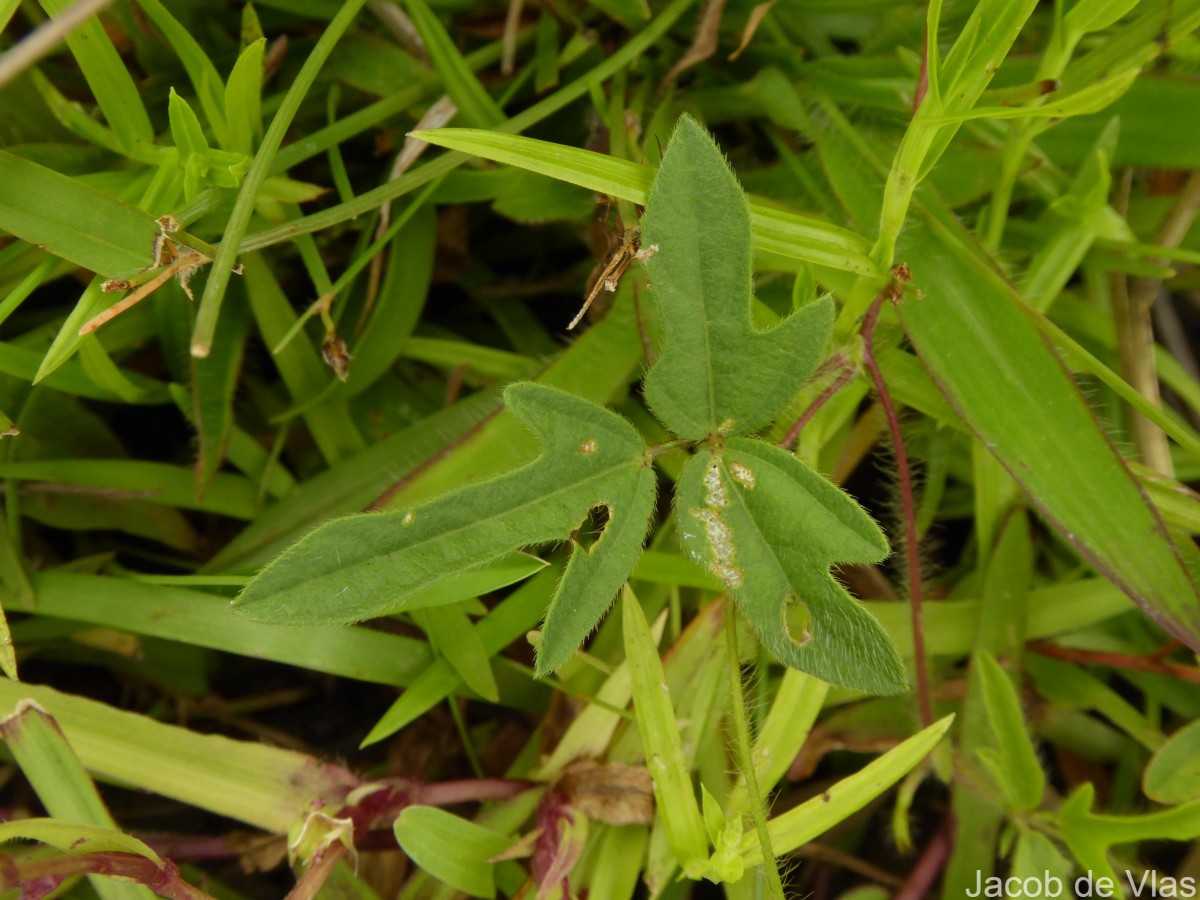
x=775 y=230
x=803 y=823
x=674 y=793
x=249 y=781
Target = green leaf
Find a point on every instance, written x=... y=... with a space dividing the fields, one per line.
x=266 y=787
x=1037 y=857
x=471 y=98
x=1089 y=835
x=202 y=165
x=1013 y=762
x=986 y=354
x=70 y=219
x=450 y=848
x=200 y=69
x=1173 y=773
x=243 y=98
x=456 y=640
x=515 y=615
x=203 y=620
x=674 y=795
x=360 y=567
x=106 y=75
x=214 y=383
x=803 y=823
x=75 y=837
x=775 y=230
x=769 y=528
x=715 y=374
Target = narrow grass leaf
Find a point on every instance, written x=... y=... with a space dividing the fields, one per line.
x=803 y=823
x=214 y=382
x=456 y=640
x=1013 y=761
x=204 y=620
x=1090 y=99
x=674 y=795
x=77 y=837
x=57 y=777
x=402 y=293
x=229 y=495
x=987 y=357
x=513 y=617
x=471 y=98
x=741 y=518
x=206 y=82
x=302 y=371
x=498 y=365
x=7 y=8
x=774 y=229
x=16 y=583
x=71 y=220
x=243 y=98
x=451 y=848
x=223 y=264
x=1074 y=687
x=715 y=373
x=107 y=77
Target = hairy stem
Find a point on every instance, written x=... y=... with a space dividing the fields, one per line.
x=910 y=512
x=745 y=761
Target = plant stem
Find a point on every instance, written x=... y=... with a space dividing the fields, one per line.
x=909 y=507
x=745 y=761
x=844 y=378
x=933 y=858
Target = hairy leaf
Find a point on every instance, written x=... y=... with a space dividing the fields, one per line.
x=715 y=373
x=364 y=566
x=769 y=528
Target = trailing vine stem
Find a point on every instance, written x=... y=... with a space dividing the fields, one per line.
x=892 y=291
x=845 y=376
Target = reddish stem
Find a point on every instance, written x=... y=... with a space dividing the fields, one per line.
x=310 y=883
x=933 y=858
x=163 y=880
x=1152 y=663
x=923 y=76
x=826 y=395
x=909 y=508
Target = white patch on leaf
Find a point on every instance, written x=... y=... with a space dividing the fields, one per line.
x=743 y=475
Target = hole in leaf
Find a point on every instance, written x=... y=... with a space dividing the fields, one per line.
x=805 y=635
x=591 y=530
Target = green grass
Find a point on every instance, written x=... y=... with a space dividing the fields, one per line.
x=991 y=215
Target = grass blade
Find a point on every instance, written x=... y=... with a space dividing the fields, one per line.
x=78 y=223
x=109 y=80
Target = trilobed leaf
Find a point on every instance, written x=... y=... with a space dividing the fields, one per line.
x=716 y=373
x=364 y=566
x=769 y=528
